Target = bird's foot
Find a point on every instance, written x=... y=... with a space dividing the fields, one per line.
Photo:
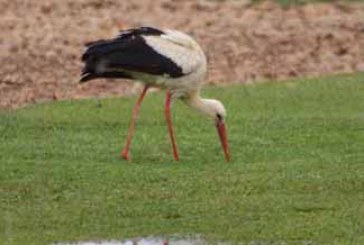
x=176 y=157
x=125 y=155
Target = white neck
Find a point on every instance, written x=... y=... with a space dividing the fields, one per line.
x=208 y=107
x=197 y=103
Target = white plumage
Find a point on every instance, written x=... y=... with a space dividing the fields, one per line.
x=167 y=59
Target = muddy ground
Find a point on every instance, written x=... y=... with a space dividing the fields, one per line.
x=41 y=41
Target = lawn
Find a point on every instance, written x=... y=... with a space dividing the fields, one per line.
x=296 y=175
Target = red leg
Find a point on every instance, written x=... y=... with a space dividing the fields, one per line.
x=169 y=124
x=125 y=151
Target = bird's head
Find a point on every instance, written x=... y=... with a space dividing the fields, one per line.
x=216 y=110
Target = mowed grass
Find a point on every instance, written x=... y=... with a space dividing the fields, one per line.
x=296 y=175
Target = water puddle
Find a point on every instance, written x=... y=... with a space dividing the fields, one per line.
x=142 y=241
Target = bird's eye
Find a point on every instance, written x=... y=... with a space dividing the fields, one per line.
x=218 y=116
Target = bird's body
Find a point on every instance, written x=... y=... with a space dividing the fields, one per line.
x=167 y=59
x=161 y=59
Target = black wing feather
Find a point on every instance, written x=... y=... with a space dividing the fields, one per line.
x=128 y=52
x=140 y=57
x=146 y=31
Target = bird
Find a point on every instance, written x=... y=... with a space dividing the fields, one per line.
x=163 y=58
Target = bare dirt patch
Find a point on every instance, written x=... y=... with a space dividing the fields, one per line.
x=41 y=41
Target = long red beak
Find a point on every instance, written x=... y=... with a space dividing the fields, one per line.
x=223 y=138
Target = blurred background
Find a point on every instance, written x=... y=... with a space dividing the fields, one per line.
x=41 y=41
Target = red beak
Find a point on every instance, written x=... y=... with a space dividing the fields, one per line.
x=223 y=137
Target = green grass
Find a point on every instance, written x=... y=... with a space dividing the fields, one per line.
x=296 y=176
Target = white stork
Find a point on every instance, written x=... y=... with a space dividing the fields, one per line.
x=166 y=59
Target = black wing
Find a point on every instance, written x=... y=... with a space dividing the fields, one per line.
x=146 y=31
x=128 y=52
